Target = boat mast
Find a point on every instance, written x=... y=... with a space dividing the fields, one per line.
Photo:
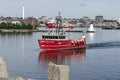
x=59 y=23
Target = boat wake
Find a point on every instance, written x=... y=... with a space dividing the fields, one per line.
x=104 y=45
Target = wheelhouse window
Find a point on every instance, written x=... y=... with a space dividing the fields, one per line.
x=53 y=37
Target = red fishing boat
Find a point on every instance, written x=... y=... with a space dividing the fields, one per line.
x=57 y=39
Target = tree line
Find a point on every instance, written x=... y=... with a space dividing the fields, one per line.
x=10 y=25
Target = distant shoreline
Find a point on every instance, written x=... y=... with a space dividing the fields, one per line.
x=31 y=30
x=18 y=30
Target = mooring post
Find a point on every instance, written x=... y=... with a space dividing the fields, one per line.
x=58 y=72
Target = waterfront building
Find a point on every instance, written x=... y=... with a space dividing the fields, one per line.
x=14 y=20
x=31 y=20
x=85 y=21
x=43 y=20
x=99 y=19
x=118 y=20
x=110 y=23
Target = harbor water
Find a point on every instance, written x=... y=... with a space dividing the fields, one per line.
x=99 y=61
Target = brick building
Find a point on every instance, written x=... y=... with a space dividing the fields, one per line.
x=31 y=20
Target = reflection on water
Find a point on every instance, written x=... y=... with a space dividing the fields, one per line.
x=62 y=57
x=91 y=36
x=14 y=35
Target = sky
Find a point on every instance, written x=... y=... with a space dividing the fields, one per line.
x=109 y=9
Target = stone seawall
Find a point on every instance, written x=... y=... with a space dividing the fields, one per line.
x=18 y=30
x=32 y=30
x=4 y=71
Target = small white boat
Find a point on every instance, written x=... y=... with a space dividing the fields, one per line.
x=91 y=28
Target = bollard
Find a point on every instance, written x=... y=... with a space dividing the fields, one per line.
x=58 y=72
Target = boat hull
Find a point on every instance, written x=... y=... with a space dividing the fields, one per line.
x=61 y=44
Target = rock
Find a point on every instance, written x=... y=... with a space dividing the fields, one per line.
x=58 y=72
x=19 y=78
x=3 y=69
